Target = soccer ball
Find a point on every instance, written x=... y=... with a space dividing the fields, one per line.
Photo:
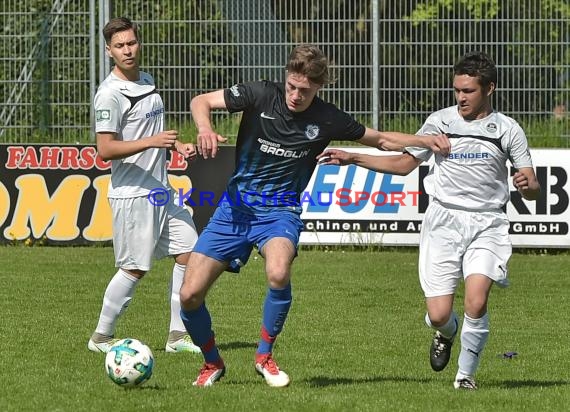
x=129 y=362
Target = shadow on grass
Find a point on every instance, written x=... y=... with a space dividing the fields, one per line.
x=324 y=381
x=143 y=387
x=237 y=345
x=527 y=384
x=222 y=346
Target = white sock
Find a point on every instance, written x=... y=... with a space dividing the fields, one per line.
x=474 y=335
x=449 y=329
x=175 y=285
x=117 y=297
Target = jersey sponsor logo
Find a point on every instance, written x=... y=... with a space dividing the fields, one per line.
x=491 y=127
x=278 y=151
x=267 y=142
x=234 y=90
x=154 y=113
x=469 y=156
x=266 y=116
x=312 y=131
x=102 y=115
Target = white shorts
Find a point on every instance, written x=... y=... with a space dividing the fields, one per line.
x=457 y=243
x=143 y=232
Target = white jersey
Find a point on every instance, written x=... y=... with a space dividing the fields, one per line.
x=133 y=110
x=474 y=175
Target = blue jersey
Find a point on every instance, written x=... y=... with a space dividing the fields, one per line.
x=276 y=149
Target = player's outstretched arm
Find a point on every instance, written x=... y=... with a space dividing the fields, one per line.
x=396 y=141
x=526 y=183
x=111 y=148
x=397 y=165
x=201 y=106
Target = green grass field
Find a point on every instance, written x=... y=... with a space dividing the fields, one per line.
x=354 y=341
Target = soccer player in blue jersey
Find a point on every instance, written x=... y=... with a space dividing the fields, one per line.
x=284 y=127
x=465 y=231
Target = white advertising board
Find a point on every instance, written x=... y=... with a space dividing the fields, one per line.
x=352 y=205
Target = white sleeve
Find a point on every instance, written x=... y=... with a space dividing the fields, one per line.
x=108 y=112
x=517 y=147
x=429 y=127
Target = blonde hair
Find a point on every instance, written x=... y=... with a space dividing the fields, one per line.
x=310 y=61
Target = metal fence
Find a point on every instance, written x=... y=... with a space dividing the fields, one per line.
x=47 y=76
x=392 y=58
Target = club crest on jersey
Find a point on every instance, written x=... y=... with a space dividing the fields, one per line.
x=101 y=115
x=312 y=131
x=491 y=127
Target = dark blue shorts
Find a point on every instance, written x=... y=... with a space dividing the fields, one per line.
x=230 y=235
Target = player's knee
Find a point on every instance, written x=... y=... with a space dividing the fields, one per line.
x=475 y=306
x=182 y=259
x=278 y=279
x=137 y=273
x=278 y=274
x=190 y=299
x=439 y=318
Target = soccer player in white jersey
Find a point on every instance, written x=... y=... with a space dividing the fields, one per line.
x=465 y=231
x=130 y=132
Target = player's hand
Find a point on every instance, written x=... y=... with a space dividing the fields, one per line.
x=188 y=150
x=335 y=157
x=207 y=143
x=520 y=181
x=166 y=139
x=438 y=144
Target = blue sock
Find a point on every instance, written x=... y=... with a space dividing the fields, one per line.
x=275 y=310
x=198 y=324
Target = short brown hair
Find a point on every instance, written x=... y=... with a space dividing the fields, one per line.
x=310 y=61
x=477 y=64
x=119 y=24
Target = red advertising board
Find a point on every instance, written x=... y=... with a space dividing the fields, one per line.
x=59 y=192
